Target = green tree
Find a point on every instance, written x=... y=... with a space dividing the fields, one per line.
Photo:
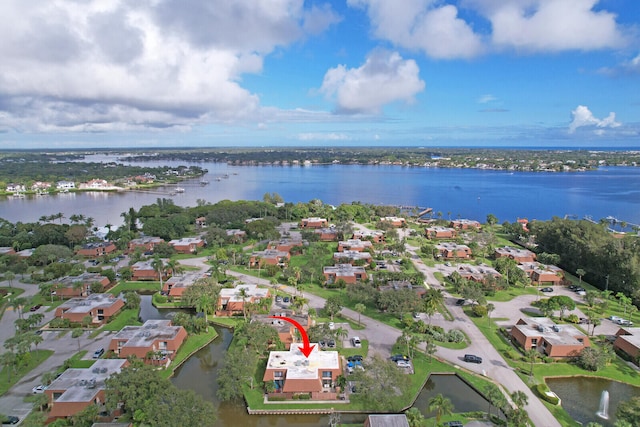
x=441 y=405
x=360 y=308
x=132 y=300
x=238 y=364
x=381 y=385
x=9 y=276
x=333 y=306
x=495 y=397
x=77 y=333
x=629 y=411
x=414 y=417
x=580 y=272
x=564 y=302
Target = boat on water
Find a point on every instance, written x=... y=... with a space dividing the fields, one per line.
x=179 y=190
x=204 y=182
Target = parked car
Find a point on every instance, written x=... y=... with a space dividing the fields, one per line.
x=332 y=325
x=614 y=318
x=461 y=301
x=453 y=424
x=403 y=364
x=322 y=344
x=624 y=322
x=278 y=298
x=572 y=287
x=356 y=342
x=416 y=315
x=397 y=357
x=35 y=307
x=99 y=352
x=331 y=344
x=472 y=358
x=578 y=289
x=546 y=290
x=10 y=419
x=39 y=389
x=286 y=299
x=354 y=358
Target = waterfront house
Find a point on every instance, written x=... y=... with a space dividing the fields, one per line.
x=351 y=257
x=96 y=249
x=269 y=257
x=448 y=250
x=100 y=307
x=465 y=224
x=95 y=184
x=292 y=373
x=187 y=245
x=628 y=341
x=327 y=234
x=176 y=285
x=16 y=188
x=231 y=301
x=517 y=254
x=156 y=341
x=77 y=388
x=354 y=245
x=286 y=331
x=146 y=243
x=77 y=286
x=439 y=232
x=65 y=185
x=542 y=334
x=477 y=273
x=144 y=270
x=394 y=221
x=369 y=235
x=41 y=186
x=313 y=222
x=347 y=272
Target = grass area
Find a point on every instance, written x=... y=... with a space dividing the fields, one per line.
x=228 y=322
x=352 y=351
x=127 y=317
x=511 y=293
x=192 y=344
x=9 y=377
x=76 y=361
x=135 y=286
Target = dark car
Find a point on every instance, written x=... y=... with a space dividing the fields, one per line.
x=573 y=287
x=579 y=289
x=546 y=290
x=286 y=299
x=472 y=358
x=354 y=358
x=10 y=419
x=398 y=357
x=453 y=424
x=461 y=301
x=35 y=307
x=331 y=344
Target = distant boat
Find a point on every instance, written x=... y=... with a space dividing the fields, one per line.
x=204 y=182
x=179 y=190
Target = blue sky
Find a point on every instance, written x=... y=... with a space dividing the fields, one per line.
x=216 y=73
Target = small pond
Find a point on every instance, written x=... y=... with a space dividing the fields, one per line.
x=581 y=396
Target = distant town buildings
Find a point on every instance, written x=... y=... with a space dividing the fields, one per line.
x=97 y=249
x=313 y=222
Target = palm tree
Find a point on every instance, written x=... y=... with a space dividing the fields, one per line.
x=430 y=349
x=360 y=308
x=340 y=333
x=531 y=355
x=9 y=276
x=519 y=398
x=158 y=265
x=495 y=397
x=490 y=308
x=77 y=333
x=242 y=293
x=580 y=272
x=442 y=405
x=17 y=304
x=414 y=417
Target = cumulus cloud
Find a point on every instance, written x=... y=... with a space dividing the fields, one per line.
x=582 y=116
x=384 y=78
x=114 y=64
x=550 y=25
x=425 y=25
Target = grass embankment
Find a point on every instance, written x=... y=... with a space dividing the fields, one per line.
x=76 y=361
x=192 y=344
x=9 y=377
x=140 y=287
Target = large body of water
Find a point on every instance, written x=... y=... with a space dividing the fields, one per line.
x=465 y=193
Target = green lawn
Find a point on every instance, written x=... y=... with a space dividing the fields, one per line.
x=192 y=344
x=352 y=351
x=229 y=322
x=135 y=286
x=127 y=317
x=76 y=361
x=9 y=377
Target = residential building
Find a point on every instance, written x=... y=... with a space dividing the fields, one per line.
x=439 y=232
x=394 y=220
x=201 y=222
x=176 y=285
x=450 y=250
x=269 y=257
x=465 y=224
x=16 y=188
x=286 y=331
x=100 y=307
x=354 y=245
x=95 y=184
x=313 y=222
x=25 y=253
x=236 y=235
x=372 y=236
x=327 y=234
x=628 y=341
x=397 y=285
x=145 y=270
x=187 y=245
x=519 y=255
x=553 y=340
x=78 y=388
x=347 y=272
x=285 y=245
x=146 y=243
x=351 y=257
x=7 y=250
x=156 y=338
x=97 y=249
x=477 y=273
x=77 y=286
x=41 y=186
x=65 y=185
x=293 y=373
x=540 y=273
x=386 y=420
x=231 y=301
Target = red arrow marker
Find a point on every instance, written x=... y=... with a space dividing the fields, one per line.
x=306 y=348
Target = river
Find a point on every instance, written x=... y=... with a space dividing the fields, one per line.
x=464 y=193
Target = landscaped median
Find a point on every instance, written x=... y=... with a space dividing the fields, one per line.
x=10 y=375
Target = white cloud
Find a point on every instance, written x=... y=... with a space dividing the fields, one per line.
x=384 y=78
x=550 y=25
x=485 y=99
x=425 y=25
x=582 y=116
x=631 y=67
x=122 y=64
x=320 y=136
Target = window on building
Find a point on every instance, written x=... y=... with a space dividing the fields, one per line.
x=278 y=374
x=326 y=374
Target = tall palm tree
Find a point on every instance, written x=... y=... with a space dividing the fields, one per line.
x=9 y=276
x=495 y=397
x=340 y=333
x=442 y=405
x=158 y=265
x=242 y=293
x=360 y=308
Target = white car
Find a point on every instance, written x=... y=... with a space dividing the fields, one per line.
x=39 y=389
x=403 y=364
x=332 y=326
x=356 y=342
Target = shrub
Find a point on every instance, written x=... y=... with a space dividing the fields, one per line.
x=572 y=318
x=277 y=398
x=159 y=299
x=542 y=390
x=455 y=335
x=479 y=310
x=305 y=396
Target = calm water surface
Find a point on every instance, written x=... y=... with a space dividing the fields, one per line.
x=466 y=193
